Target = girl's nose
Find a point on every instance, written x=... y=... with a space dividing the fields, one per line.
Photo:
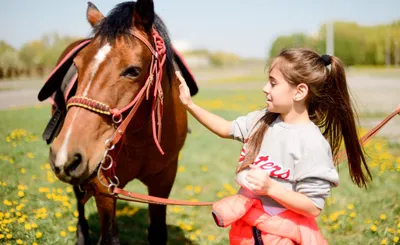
x=266 y=88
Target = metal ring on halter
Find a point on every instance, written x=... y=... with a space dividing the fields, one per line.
x=109 y=188
x=81 y=190
x=107 y=144
x=101 y=182
x=104 y=160
x=115 y=120
x=116 y=182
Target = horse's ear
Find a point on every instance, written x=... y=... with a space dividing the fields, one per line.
x=94 y=16
x=144 y=13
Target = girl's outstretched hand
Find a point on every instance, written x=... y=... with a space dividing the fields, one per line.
x=184 y=92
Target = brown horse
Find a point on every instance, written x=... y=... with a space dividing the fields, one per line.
x=114 y=69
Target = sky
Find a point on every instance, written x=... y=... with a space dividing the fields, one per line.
x=245 y=27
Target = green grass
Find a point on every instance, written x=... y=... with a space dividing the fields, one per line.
x=206 y=173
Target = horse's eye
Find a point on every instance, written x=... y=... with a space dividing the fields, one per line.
x=131 y=72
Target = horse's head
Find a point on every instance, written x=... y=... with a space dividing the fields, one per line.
x=112 y=70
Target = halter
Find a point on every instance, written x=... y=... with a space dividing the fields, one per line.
x=155 y=76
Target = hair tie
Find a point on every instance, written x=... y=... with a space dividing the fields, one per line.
x=327 y=59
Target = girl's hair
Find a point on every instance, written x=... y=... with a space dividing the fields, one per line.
x=329 y=107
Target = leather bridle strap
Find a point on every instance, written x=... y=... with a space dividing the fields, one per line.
x=363 y=140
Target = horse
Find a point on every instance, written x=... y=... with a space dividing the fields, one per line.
x=125 y=67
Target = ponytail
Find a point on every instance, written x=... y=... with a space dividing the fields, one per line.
x=333 y=111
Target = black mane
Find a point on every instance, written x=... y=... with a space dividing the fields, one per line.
x=120 y=21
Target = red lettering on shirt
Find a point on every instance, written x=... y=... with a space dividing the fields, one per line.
x=264 y=162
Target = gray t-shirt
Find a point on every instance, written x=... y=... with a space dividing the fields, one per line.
x=297 y=156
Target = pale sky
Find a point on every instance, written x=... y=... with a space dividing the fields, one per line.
x=244 y=27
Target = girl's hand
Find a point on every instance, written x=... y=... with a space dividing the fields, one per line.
x=184 y=92
x=259 y=181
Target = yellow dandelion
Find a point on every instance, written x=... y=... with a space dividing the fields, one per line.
x=211 y=238
x=197 y=189
x=34 y=225
x=7 y=202
x=19 y=241
x=350 y=206
x=12 y=161
x=58 y=215
x=8 y=236
x=383 y=241
x=353 y=214
x=23 y=170
x=63 y=234
x=38 y=234
x=383 y=217
x=395 y=239
x=30 y=155
x=19 y=214
x=68 y=189
x=204 y=168
x=33 y=177
x=198 y=232
x=373 y=228
x=2 y=236
x=189 y=187
x=192 y=237
x=28 y=227
x=4 y=184
x=35 y=243
x=181 y=169
x=72 y=228
x=189 y=227
x=21 y=194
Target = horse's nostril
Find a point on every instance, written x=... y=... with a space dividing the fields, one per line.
x=76 y=161
x=56 y=170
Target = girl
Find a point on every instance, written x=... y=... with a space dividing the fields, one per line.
x=287 y=162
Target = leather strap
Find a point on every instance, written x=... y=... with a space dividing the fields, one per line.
x=363 y=140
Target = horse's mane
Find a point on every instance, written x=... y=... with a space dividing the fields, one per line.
x=119 y=22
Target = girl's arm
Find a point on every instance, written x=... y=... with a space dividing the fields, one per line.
x=214 y=123
x=294 y=201
x=260 y=183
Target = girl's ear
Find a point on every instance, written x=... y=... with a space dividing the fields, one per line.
x=301 y=92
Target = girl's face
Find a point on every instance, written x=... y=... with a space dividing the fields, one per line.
x=279 y=92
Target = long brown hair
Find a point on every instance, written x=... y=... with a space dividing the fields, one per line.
x=329 y=107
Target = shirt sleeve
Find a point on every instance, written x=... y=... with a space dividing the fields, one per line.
x=315 y=175
x=242 y=126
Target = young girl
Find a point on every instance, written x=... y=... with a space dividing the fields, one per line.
x=287 y=160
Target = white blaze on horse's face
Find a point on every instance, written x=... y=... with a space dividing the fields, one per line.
x=101 y=55
x=98 y=59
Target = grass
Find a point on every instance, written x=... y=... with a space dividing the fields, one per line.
x=37 y=208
